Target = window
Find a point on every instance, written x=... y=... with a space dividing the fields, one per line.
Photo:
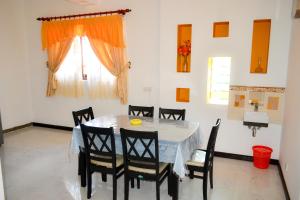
x=81 y=67
x=218 y=80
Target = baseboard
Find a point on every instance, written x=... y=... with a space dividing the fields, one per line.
x=286 y=192
x=17 y=128
x=36 y=124
x=241 y=157
x=64 y=128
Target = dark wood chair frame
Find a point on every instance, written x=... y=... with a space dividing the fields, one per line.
x=139 y=159
x=142 y=111
x=208 y=167
x=83 y=115
x=103 y=152
x=174 y=114
x=80 y=117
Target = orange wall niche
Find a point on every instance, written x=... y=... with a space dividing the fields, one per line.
x=183 y=94
x=260 y=46
x=184 y=47
x=221 y=29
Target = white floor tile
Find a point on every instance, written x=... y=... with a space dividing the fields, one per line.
x=39 y=166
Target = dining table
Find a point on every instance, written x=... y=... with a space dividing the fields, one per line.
x=177 y=140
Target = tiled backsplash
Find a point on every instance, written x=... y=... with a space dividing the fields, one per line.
x=269 y=99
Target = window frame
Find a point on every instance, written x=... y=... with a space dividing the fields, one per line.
x=210 y=99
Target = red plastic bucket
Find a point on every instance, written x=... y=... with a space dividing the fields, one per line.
x=261 y=156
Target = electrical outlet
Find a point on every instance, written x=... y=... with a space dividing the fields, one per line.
x=286 y=167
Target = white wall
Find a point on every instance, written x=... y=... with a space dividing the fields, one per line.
x=143 y=51
x=290 y=146
x=2 y=195
x=15 y=98
x=233 y=136
x=151 y=37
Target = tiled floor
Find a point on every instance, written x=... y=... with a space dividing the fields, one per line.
x=39 y=166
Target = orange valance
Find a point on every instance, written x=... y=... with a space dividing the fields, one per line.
x=108 y=29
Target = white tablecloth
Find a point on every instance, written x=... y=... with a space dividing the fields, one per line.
x=177 y=139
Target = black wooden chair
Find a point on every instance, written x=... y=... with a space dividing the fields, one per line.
x=202 y=163
x=142 y=111
x=100 y=154
x=83 y=115
x=141 y=159
x=80 y=117
x=174 y=114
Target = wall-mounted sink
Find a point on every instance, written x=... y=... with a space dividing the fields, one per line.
x=259 y=119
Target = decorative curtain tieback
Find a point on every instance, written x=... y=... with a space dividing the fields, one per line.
x=124 y=68
x=53 y=79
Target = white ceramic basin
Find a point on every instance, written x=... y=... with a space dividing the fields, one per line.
x=256 y=117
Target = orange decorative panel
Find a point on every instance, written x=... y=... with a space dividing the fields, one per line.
x=184 y=47
x=273 y=103
x=239 y=101
x=221 y=29
x=260 y=46
x=183 y=94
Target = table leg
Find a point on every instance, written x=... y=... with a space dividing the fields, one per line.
x=173 y=185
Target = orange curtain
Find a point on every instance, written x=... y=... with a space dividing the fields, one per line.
x=106 y=38
x=56 y=54
x=108 y=29
x=114 y=59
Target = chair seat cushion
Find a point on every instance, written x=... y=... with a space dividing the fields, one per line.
x=162 y=166
x=198 y=159
x=198 y=174
x=119 y=162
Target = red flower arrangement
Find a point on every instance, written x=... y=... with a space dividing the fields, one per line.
x=185 y=50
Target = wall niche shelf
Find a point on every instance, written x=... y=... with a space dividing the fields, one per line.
x=221 y=29
x=184 y=47
x=260 y=46
x=183 y=95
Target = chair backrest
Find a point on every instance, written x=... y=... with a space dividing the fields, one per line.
x=175 y=114
x=99 y=144
x=83 y=115
x=140 y=149
x=210 y=150
x=141 y=111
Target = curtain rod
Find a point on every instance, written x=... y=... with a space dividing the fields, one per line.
x=121 y=12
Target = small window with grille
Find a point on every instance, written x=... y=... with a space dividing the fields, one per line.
x=218 y=80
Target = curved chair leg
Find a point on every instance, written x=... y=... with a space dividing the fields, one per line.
x=157 y=191
x=104 y=177
x=132 y=182
x=138 y=183
x=191 y=174
x=170 y=192
x=83 y=173
x=114 y=187
x=79 y=163
x=89 y=187
x=126 y=187
x=205 y=187
x=211 y=175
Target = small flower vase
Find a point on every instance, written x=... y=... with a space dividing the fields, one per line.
x=185 y=64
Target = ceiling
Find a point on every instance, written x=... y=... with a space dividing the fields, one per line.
x=85 y=2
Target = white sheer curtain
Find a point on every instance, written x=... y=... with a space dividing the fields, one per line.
x=69 y=78
x=100 y=82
